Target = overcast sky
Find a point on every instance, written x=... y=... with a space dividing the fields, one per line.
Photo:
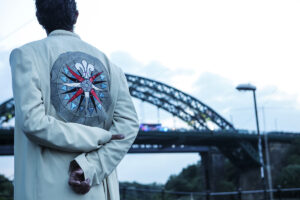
x=204 y=48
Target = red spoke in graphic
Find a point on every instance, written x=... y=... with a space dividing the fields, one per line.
x=95 y=95
x=79 y=92
x=76 y=75
x=95 y=76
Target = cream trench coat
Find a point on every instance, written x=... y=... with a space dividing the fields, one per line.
x=45 y=144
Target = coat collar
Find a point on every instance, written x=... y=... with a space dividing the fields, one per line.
x=63 y=32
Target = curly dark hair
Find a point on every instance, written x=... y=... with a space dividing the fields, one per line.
x=56 y=14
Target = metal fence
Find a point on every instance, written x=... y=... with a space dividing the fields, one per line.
x=128 y=193
x=279 y=194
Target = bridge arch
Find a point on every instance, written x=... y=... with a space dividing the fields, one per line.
x=194 y=112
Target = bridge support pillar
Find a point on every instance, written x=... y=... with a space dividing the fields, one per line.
x=206 y=166
x=213 y=171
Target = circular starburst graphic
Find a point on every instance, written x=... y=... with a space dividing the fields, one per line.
x=80 y=88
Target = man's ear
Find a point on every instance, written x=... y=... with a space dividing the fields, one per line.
x=76 y=14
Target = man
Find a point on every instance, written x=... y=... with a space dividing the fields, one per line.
x=75 y=119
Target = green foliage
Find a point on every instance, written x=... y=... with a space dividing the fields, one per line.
x=289 y=177
x=6 y=188
x=294 y=159
x=189 y=180
x=228 y=183
x=295 y=148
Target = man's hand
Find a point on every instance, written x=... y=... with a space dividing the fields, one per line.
x=76 y=179
x=77 y=182
x=117 y=137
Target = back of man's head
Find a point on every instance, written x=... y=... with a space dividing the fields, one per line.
x=56 y=14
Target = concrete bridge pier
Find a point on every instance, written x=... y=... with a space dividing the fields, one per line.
x=206 y=165
x=213 y=170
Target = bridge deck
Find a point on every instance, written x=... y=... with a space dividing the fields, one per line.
x=173 y=141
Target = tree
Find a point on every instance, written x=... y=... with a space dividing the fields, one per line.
x=290 y=177
x=290 y=172
x=6 y=188
x=189 y=180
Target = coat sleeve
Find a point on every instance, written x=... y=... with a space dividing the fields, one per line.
x=98 y=164
x=39 y=127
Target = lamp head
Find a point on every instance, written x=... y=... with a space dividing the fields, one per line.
x=246 y=87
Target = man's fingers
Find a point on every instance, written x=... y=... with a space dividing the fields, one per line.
x=74 y=182
x=75 y=177
x=78 y=172
x=83 y=188
x=76 y=189
x=77 y=182
x=117 y=137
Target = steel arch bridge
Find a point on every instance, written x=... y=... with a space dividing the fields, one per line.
x=196 y=114
x=189 y=109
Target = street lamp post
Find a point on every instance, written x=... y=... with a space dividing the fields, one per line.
x=249 y=87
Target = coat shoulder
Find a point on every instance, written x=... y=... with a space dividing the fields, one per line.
x=32 y=45
x=27 y=48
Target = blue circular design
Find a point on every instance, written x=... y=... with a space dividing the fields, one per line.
x=80 y=88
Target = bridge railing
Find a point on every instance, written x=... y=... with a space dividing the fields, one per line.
x=128 y=193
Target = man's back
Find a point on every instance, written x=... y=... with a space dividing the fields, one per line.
x=67 y=94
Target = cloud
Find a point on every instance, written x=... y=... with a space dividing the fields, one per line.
x=277 y=110
x=153 y=70
x=5 y=77
x=7 y=166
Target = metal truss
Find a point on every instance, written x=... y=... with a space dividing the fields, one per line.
x=189 y=109
x=7 y=111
